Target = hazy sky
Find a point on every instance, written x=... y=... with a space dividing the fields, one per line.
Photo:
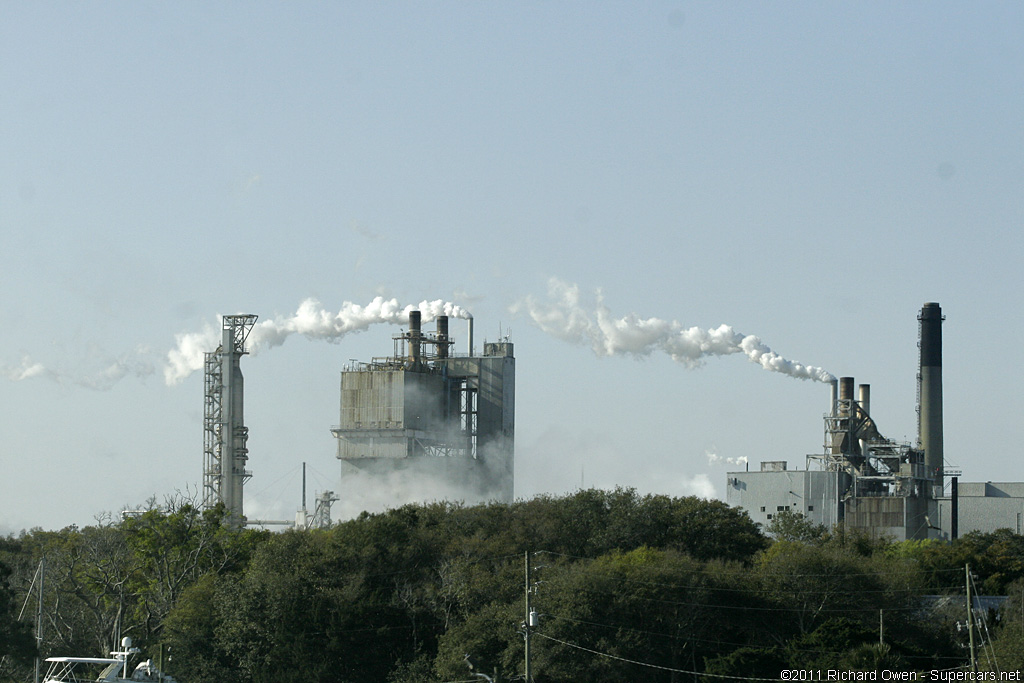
x=810 y=173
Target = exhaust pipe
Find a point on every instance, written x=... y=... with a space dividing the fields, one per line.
x=414 y=338
x=929 y=385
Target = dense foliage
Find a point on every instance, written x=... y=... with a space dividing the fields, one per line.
x=16 y=640
x=627 y=587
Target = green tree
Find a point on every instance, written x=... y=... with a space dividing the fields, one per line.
x=190 y=635
x=811 y=585
x=173 y=545
x=872 y=657
x=659 y=607
x=16 y=640
x=746 y=662
x=1007 y=645
x=789 y=525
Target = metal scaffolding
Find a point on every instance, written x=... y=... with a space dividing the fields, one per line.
x=224 y=431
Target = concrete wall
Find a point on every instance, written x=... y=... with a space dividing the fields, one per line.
x=493 y=375
x=985 y=507
x=814 y=494
x=897 y=517
x=384 y=411
x=400 y=421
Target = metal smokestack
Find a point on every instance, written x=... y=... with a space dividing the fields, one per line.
x=864 y=401
x=442 y=336
x=414 y=337
x=954 y=509
x=845 y=396
x=846 y=411
x=929 y=388
x=864 y=397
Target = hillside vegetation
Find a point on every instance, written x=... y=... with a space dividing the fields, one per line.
x=626 y=587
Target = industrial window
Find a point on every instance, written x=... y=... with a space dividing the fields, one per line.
x=769 y=516
x=810 y=508
x=781 y=508
x=762 y=508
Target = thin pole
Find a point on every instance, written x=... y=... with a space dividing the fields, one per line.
x=39 y=615
x=881 y=627
x=526 y=621
x=970 y=619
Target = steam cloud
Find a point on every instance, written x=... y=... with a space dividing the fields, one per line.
x=310 y=321
x=716 y=459
x=25 y=370
x=699 y=485
x=565 y=317
x=112 y=370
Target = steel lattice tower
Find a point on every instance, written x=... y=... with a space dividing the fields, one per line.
x=224 y=431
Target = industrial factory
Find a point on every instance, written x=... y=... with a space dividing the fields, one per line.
x=428 y=422
x=432 y=413
x=426 y=413
x=865 y=481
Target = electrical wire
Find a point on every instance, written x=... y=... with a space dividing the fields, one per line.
x=743 y=571
x=987 y=648
x=687 y=638
x=774 y=590
x=702 y=674
x=649 y=665
x=710 y=605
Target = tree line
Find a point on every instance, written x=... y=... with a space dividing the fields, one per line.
x=625 y=587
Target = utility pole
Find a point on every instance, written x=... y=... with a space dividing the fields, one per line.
x=39 y=615
x=970 y=619
x=526 y=623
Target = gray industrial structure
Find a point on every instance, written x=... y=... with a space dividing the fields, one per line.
x=433 y=413
x=865 y=481
x=224 y=431
x=425 y=410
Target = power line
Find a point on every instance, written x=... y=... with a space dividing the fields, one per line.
x=748 y=608
x=744 y=571
x=706 y=641
x=649 y=665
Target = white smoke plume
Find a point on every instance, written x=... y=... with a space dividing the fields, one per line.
x=565 y=317
x=25 y=370
x=699 y=485
x=310 y=320
x=137 y=364
x=716 y=459
x=110 y=371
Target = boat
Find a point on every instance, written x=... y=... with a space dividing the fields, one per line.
x=113 y=669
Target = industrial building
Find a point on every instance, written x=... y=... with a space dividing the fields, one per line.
x=425 y=411
x=432 y=414
x=865 y=481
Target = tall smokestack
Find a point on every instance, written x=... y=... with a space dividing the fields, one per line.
x=414 y=337
x=845 y=395
x=864 y=397
x=847 y=411
x=929 y=386
x=442 y=336
x=864 y=401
